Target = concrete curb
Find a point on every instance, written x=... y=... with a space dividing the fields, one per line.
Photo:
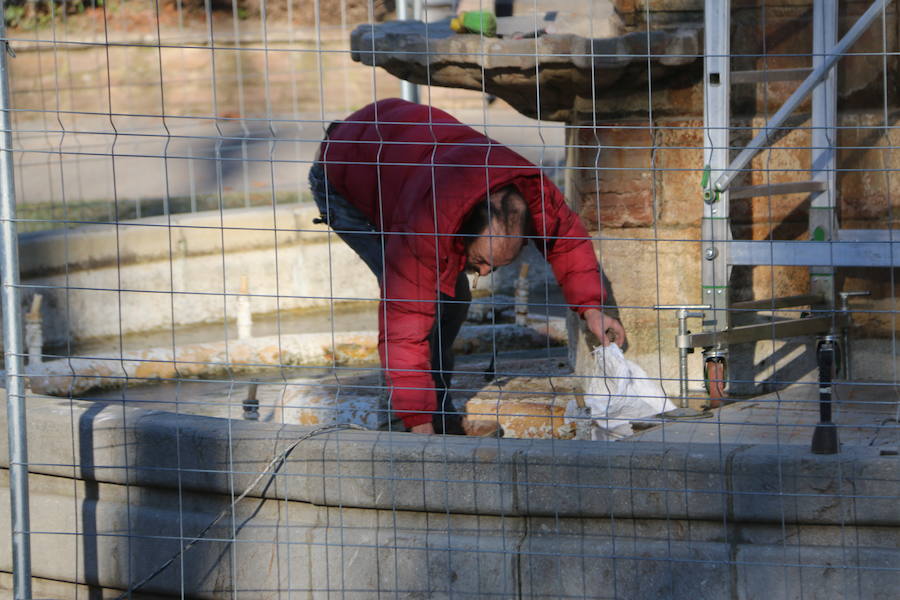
x=161 y=238
x=761 y=484
x=294 y=546
x=116 y=492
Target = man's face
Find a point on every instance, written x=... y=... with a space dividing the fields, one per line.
x=486 y=253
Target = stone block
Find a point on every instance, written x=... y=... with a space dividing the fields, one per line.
x=793 y=570
x=648 y=267
x=779 y=37
x=444 y=474
x=521 y=418
x=873 y=316
x=570 y=481
x=113 y=536
x=679 y=98
x=771 y=364
x=853 y=486
x=868 y=190
x=622 y=566
x=792 y=536
x=156 y=238
x=49 y=588
x=679 y=170
x=447 y=556
x=615 y=183
x=645 y=268
x=775 y=282
x=146 y=262
x=787 y=160
x=865 y=71
x=660 y=5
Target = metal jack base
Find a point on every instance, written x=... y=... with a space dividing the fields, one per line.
x=684 y=312
x=715 y=374
x=825 y=437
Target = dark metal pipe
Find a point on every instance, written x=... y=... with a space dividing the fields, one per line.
x=825 y=437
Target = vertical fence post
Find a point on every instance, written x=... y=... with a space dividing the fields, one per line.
x=408 y=91
x=13 y=344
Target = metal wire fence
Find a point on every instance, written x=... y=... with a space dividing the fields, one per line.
x=271 y=331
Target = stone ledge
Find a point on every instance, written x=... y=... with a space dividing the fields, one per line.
x=72 y=376
x=465 y=475
x=165 y=238
x=283 y=545
x=564 y=66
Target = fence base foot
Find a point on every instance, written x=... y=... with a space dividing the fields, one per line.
x=825 y=439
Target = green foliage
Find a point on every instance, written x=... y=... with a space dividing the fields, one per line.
x=14 y=14
x=31 y=14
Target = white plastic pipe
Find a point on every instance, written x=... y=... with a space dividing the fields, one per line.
x=244 y=316
x=34 y=332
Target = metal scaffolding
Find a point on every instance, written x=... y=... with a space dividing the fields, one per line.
x=828 y=247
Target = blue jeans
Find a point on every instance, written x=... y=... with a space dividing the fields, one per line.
x=347 y=221
x=355 y=229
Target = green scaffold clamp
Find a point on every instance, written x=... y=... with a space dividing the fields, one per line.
x=710 y=195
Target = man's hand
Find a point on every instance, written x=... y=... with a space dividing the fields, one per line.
x=600 y=323
x=423 y=428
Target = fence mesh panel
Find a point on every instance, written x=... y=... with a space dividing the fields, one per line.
x=318 y=302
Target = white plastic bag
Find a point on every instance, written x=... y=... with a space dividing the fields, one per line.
x=618 y=392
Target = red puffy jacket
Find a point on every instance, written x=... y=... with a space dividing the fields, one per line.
x=416 y=173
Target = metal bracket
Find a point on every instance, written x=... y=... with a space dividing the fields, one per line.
x=845 y=331
x=710 y=195
x=845 y=298
x=767 y=331
x=682 y=341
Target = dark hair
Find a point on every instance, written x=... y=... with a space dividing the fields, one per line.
x=510 y=212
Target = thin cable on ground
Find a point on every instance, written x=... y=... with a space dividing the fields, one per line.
x=274 y=465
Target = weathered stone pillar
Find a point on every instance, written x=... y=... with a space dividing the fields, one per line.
x=637 y=187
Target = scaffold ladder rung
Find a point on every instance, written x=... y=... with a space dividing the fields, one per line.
x=769 y=75
x=835 y=253
x=779 y=302
x=777 y=189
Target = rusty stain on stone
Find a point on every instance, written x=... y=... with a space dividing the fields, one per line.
x=155 y=370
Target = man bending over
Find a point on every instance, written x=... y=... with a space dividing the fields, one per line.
x=422 y=199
